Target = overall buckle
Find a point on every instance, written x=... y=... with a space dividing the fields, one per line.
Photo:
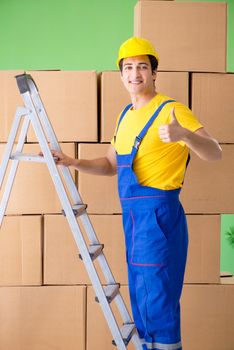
x=137 y=142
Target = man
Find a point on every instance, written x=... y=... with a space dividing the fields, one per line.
x=150 y=152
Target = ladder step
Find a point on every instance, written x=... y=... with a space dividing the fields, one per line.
x=94 y=251
x=110 y=291
x=78 y=209
x=28 y=157
x=127 y=331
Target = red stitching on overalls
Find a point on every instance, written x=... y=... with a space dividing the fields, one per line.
x=136 y=264
x=133 y=232
x=133 y=227
x=123 y=166
x=125 y=199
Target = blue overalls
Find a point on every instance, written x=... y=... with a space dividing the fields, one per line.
x=156 y=248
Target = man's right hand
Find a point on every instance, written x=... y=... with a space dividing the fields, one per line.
x=62 y=159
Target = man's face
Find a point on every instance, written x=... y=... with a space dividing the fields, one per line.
x=137 y=75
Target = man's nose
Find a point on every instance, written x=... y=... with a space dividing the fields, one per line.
x=136 y=72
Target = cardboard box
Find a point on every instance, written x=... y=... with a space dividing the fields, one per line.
x=99 y=192
x=21 y=251
x=61 y=262
x=114 y=96
x=10 y=99
x=203 y=263
x=69 y=97
x=98 y=333
x=208 y=315
x=216 y=117
x=42 y=318
x=33 y=191
x=187 y=36
x=208 y=186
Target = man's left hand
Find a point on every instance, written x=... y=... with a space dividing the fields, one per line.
x=173 y=131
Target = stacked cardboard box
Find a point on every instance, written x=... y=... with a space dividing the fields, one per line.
x=21 y=250
x=65 y=96
x=188 y=36
x=42 y=318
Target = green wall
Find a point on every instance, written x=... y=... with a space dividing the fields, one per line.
x=227 y=251
x=71 y=34
x=75 y=34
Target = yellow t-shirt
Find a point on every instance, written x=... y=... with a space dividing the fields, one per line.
x=157 y=164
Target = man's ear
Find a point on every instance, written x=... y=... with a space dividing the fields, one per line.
x=154 y=75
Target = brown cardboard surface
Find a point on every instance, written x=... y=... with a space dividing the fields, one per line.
x=42 y=318
x=212 y=102
x=70 y=99
x=187 y=36
x=21 y=251
x=207 y=317
x=209 y=186
x=10 y=99
x=61 y=262
x=61 y=255
x=33 y=191
x=99 y=192
x=98 y=333
x=114 y=96
x=203 y=263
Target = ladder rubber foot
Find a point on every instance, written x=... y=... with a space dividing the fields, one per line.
x=110 y=291
x=94 y=251
x=78 y=209
x=127 y=331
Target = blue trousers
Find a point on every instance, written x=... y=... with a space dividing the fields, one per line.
x=156 y=249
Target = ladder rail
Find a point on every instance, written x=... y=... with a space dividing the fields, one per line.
x=10 y=142
x=14 y=165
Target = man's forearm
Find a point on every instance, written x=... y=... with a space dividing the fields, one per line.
x=205 y=147
x=99 y=166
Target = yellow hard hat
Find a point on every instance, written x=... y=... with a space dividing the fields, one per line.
x=136 y=46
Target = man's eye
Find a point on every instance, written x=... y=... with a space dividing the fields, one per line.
x=144 y=67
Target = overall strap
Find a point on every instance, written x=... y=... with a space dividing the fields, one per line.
x=143 y=132
x=121 y=117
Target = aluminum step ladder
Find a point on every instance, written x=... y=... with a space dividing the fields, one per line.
x=73 y=208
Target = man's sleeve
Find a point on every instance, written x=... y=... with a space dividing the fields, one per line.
x=187 y=119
